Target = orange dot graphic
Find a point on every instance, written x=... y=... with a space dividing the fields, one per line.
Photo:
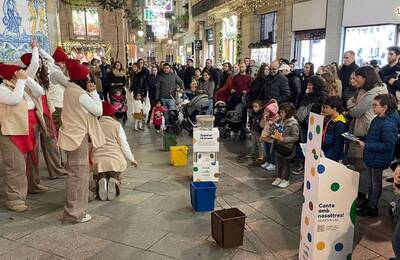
x=312 y=171
x=306 y=221
x=194 y=140
x=321 y=246
x=311 y=120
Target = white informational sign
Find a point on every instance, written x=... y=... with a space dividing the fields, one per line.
x=330 y=191
x=230 y=27
x=206 y=171
x=205 y=140
x=166 y=5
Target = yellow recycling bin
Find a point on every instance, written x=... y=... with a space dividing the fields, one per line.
x=179 y=155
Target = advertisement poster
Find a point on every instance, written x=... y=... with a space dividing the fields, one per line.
x=330 y=191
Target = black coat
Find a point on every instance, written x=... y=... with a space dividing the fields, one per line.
x=295 y=89
x=187 y=76
x=388 y=73
x=344 y=73
x=276 y=87
x=256 y=90
x=138 y=83
x=151 y=84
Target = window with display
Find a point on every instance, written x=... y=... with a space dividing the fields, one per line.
x=85 y=23
x=268 y=27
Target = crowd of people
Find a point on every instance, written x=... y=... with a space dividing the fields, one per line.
x=73 y=107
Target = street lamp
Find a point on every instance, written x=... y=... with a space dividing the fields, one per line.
x=140 y=33
x=169 y=41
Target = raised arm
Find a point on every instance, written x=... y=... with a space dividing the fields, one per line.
x=35 y=88
x=12 y=97
x=34 y=65
x=92 y=103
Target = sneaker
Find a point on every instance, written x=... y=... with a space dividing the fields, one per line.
x=284 y=184
x=276 y=182
x=298 y=172
x=271 y=167
x=19 y=208
x=368 y=212
x=112 y=189
x=86 y=218
x=250 y=155
x=264 y=165
x=103 y=189
x=39 y=189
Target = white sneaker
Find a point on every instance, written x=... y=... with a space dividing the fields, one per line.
x=276 y=182
x=284 y=184
x=103 y=189
x=86 y=218
x=112 y=189
x=264 y=165
x=271 y=167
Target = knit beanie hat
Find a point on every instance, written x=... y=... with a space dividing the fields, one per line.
x=272 y=108
x=7 y=71
x=59 y=55
x=26 y=58
x=76 y=70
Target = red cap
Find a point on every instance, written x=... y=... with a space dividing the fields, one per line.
x=59 y=55
x=76 y=71
x=7 y=71
x=108 y=109
x=26 y=58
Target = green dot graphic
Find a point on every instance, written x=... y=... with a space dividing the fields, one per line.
x=318 y=129
x=335 y=186
x=353 y=211
x=195 y=169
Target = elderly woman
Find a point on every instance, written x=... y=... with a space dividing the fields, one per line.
x=368 y=86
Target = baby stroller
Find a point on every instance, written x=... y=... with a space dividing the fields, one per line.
x=121 y=102
x=174 y=126
x=221 y=119
x=197 y=106
x=230 y=119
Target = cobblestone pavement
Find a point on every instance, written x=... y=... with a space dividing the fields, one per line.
x=153 y=218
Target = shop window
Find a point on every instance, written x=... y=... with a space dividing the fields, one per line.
x=268 y=27
x=310 y=47
x=371 y=42
x=85 y=23
x=264 y=55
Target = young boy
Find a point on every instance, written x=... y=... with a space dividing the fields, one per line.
x=256 y=129
x=109 y=160
x=335 y=126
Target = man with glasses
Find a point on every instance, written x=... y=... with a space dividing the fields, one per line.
x=390 y=72
x=348 y=67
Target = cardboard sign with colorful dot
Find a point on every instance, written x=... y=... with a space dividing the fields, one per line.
x=330 y=191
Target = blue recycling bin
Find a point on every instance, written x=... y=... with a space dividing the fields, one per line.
x=202 y=196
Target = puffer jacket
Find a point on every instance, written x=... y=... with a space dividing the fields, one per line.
x=380 y=141
x=362 y=113
x=291 y=134
x=333 y=142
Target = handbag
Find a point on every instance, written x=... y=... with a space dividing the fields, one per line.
x=282 y=150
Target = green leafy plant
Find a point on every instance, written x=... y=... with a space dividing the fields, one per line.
x=77 y=2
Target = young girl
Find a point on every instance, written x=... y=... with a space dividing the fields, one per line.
x=378 y=146
x=269 y=118
x=158 y=116
x=120 y=99
x=255 y=128
x=137 y=112
x=285 y=144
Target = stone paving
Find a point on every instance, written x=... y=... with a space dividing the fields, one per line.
x=153 y=218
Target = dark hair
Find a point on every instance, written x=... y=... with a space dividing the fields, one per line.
x=284 y=61
x=229 y=65
x=387 y=100
x=140 y=59
x=209 y=74
x=115 y=63
x=42 y=76
x=197 y=69
x=311 y=67
x=334 y=102
x=261 y=71
x=85 y=64
x=395 y=49
x=293 y=61
x=81 y=83
x=319 y=84
x=288 y=108
x=258 y=102
x=190 y=60
x=370 y=76
x=93 y=61
x=167 y=64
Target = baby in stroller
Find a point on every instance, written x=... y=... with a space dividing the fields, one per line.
x=119 y=98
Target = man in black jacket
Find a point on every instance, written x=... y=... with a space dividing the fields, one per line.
x=214 y=72
x=390 y=73
x=348 y=67
x=276 y=85
x=188 y=73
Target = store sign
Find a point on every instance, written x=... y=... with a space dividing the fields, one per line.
x=160 y=28
x=329 y=208
x=164 y=5
x=210 y=36
x=189 y=49
x=153 y=14
x=230 y=27
x=310 y=35
x=198 y=45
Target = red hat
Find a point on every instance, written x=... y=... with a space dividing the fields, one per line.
x=7 y=71
x=26 y=58
x=108 y=109
x=59 y=55
x=76 y=70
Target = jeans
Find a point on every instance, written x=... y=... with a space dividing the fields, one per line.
x=256 y=148
x=396 y=241
x=375 y=186
x=210 y=110
x=169 y=103
x=283 y=167
x=269 y=155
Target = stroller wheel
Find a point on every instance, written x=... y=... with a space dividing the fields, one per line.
x=242 y=135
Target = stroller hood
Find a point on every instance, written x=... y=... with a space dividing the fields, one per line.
x=197 y=104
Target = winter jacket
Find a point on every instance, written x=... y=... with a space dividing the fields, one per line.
x=291 y=134
x=187 y=76
x=206 y=88
x=380 y=141
x=312 y=102
x=214 y=74
x=151 y=84
x=333 y=142
x=256 y=89
x=167 y=85
x=115 y=78
x=344 y=73
x=138 y=85
x=276 y=87
x=256 y=118
x=388 y=73
x=295 y=89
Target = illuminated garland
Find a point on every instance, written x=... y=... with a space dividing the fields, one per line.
x=248 y=6
x=70 y=45
x=238 y=41
x=221 y=47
